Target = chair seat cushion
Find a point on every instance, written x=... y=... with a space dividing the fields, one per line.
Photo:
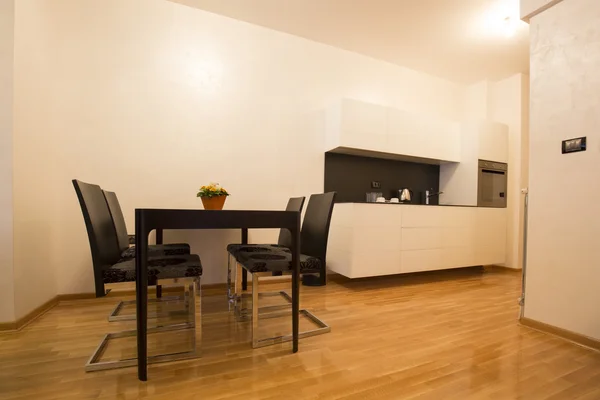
x=276 y=260
x=239 y=251
x=160 y=250
x=167 y=267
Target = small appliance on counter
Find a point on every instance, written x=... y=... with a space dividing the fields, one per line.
x=373 y=196
x=405 y=195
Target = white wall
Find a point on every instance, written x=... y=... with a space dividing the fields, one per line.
x=563 y=264
x=36 y=222
x=152 y=99
x=7 y=306
x=477 y=101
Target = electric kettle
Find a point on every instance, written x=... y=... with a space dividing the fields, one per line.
x=405 y=194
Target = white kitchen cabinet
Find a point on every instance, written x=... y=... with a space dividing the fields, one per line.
x=421 y=217
x=356 y=125
x=490 y=235
x=405 y=134
x=423 y=136
x=483 y=140
x=421 y=260
x=421 y=238
x=456 y=257
x=445 y=143
x=493 y=142
x=364 y=240
x=385 y=239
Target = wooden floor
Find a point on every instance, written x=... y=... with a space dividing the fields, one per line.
x=447 y=335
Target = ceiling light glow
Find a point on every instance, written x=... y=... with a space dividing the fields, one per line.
x=500 y=19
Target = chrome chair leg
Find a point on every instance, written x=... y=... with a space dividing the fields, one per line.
x=241 y=311
x=259 y=313
x=94 y=363
x=115 y=317
x=231 y=294
x=239 y=298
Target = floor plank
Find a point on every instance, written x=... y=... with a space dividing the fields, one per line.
x=442 y=335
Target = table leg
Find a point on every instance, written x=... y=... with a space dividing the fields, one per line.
x=245 y=272
x=159 y=240
x=141 y=294
x=295 y=285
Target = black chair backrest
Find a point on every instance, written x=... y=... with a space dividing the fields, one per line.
x=315 y=228
x=118 y=219
x=294 y=204
x=100 y=228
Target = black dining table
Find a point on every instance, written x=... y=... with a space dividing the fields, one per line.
x=149 y=219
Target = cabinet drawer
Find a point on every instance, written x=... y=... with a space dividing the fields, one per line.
x=372 y=240
x=376 y=263
x=421 y=238
x=421 y=260
x=458 y=257
x=421 y=217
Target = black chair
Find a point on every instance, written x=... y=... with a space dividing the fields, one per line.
x=284 y=241
x=262 y=261
x=110 y=268
x=124 y=239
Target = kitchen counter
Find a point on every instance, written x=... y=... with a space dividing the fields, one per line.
x=372 y=241
x=408 y=204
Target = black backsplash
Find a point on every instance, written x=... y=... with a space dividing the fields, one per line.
x=351 y=177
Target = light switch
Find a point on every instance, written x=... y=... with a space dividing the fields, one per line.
x=574 y=145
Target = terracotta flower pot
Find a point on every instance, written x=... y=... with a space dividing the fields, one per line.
x=213 y=203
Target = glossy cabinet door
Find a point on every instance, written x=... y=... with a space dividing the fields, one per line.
x=423 y=136
x=490 y=235
x=372 y=240
x=365 y=239
x=353 y=124
x=405 y=134
x=375 y=128
x=493 y=142
x=357 y=125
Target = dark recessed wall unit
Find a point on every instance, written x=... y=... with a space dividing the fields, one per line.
x=351 y=177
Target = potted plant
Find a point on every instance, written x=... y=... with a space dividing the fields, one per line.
x=213 y=196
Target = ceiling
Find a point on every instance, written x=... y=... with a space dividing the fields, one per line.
x=460 y=40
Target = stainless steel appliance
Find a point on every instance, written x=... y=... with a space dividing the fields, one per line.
x=405 y=194
x=491 y=185
x=372 y=196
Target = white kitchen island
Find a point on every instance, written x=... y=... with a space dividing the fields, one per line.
x=371 y=239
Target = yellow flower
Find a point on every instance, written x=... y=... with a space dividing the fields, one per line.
x=212 y=189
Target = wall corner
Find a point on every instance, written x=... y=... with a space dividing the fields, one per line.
x=531 y=8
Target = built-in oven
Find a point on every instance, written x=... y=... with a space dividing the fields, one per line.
x=491 y=185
